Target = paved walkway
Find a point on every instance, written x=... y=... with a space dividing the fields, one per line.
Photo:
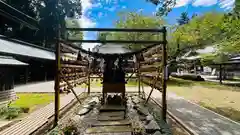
x=199 y=119
x=36 y=87
x=40 y=117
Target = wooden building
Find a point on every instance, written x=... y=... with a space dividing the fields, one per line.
x=29 y=63
x=21 y=62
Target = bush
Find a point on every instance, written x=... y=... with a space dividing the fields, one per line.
x=25 y=109
x=10 y=112
x=192 y=77
x=56 y=131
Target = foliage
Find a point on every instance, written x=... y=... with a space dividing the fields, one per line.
x=56 y=131
x=211 y=29
x=52 y=13
x=48 y=13
x=10 y=112
x=136 y=20
x=184 y=19
x=163 y=6
x=70 y=130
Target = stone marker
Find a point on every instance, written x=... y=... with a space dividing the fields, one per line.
x=157 y=133
x=151 y=127
x=83 y=111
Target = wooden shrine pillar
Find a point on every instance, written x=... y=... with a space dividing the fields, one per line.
x=57 y=78
x=164 y=75
x=139 y=78
x=88 y=74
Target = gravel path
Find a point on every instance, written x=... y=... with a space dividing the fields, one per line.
x=199 y=119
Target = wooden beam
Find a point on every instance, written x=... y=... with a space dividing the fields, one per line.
x=117 y=29
x=74 y=62
x=164 y=76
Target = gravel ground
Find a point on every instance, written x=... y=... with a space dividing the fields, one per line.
x=78 y=124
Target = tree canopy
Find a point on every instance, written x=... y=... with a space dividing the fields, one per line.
x=134 y=20
x=48 y=13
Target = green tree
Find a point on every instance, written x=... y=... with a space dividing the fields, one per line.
x=164 y=6
x=14 y=29
x=136 y=20
x=52 y=13
x=184 y=19
x=48 y=13
x=103 y=36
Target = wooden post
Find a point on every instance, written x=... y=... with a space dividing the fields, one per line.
x=89 y=81
x=58 y=68
x=220 y=73
x=57 y=85
x=164 y=63
x=139 y=79
x=26 y=75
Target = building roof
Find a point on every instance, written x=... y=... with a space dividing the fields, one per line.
x=17 y=16
x=112 y=49
x=7 y=60
x=15 y=47
x=236 y=58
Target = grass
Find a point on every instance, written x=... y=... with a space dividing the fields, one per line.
x=26 y=103
x=219 y=98
x=32 y=101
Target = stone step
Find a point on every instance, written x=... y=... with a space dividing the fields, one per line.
x=112 y=114
x=112 y=123
x=124 y=133
x=109 y=118
x=111 y=108
x=108 y=129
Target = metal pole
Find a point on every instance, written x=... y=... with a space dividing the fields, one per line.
x=164 y=65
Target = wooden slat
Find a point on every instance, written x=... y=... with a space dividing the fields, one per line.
x=78 y=81
x=152 y=51
x=149 y=68
x=150 y=82
x=72 y=66
x=77 y=62
x=7 y=95
x=150 y=61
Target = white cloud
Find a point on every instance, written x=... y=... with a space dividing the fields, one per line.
x=227 y=4
x=86 y=4
x=181 y=3
x=87 y=22
x=89 y=45
x=197 y=3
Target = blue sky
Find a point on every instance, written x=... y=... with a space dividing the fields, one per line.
x=103 y=13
